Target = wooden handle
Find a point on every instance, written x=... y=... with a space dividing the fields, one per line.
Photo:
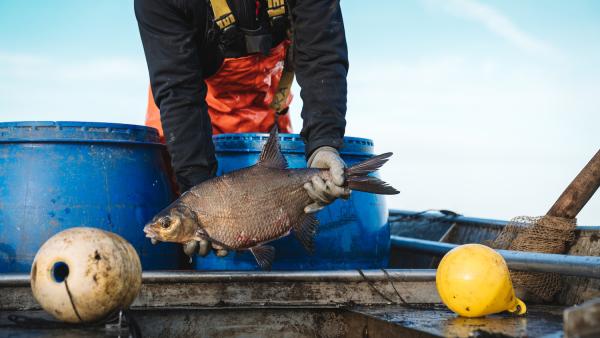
x=579 y=192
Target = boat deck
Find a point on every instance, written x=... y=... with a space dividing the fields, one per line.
x=399 y=303
x=422 y=320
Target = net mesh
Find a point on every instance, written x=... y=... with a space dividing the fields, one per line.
x=545 y=234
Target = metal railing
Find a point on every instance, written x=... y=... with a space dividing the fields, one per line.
x=583 y=266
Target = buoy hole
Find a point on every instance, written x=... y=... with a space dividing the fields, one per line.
x=60 y=271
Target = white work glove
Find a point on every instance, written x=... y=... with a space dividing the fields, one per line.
x=324 y=192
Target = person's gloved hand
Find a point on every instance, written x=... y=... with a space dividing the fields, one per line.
x=324 y=192
x=203 y=247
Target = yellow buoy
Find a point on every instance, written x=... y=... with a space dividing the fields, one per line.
x=473 y=280
x=85 y=274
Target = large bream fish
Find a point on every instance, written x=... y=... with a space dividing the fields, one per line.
x=245 y=209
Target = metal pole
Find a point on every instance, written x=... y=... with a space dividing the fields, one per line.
x=289 y=276
x=583 y=266
x=398 y=216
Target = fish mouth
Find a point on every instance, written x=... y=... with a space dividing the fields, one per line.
x=151 y=234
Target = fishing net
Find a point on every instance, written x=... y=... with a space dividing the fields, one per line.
x=545 y=234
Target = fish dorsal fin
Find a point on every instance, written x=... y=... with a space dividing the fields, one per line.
x=271 y=155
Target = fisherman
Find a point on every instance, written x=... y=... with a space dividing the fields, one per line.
x=226 y=66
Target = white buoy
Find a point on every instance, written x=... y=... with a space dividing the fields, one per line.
x=85 y=274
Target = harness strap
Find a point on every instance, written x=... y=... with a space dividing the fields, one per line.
x=276 y=10
x=283 y=90
x=225 y=18
x=222 y=13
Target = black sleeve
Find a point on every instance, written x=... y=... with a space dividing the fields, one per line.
x=171 y=45
x=321 y=63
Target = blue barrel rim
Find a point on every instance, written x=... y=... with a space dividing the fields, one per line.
x=290 y=143
x=77 y=132
x=99 y=132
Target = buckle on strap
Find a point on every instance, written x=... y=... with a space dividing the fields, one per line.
x=275 y=8
x=222 y=14
x=283 y=111
x=225 y=21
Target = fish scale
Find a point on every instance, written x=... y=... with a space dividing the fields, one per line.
x=247 y=208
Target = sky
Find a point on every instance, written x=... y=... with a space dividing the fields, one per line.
x=490 y=107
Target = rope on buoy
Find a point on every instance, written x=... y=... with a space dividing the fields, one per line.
x=71 y=300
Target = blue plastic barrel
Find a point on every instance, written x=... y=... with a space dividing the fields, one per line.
x=353 y=234
x=58 y=175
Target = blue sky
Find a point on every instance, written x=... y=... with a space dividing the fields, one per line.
x=491 y=107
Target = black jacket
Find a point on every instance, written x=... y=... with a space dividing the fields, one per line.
x=179 y=56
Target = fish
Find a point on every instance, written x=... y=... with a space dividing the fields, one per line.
x=248 y=208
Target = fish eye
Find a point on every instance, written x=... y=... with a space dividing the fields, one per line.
x=166 y=223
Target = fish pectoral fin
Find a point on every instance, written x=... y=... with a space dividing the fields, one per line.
x=264 y=254
x=201 y=235
x=305 y=232
x=271 y=155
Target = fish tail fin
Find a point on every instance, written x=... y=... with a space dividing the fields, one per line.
x=357 y=176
